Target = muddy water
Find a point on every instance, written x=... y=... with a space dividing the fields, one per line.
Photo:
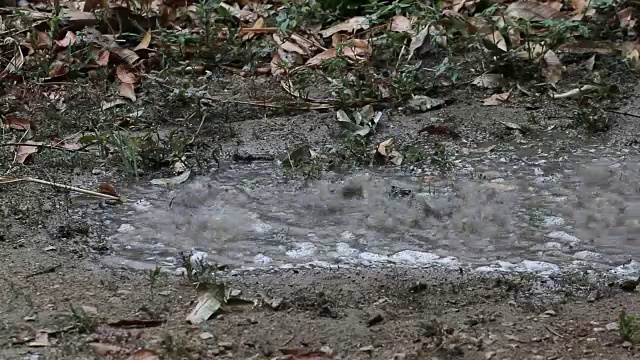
x=539 y=208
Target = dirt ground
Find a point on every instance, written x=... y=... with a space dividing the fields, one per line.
x=51 y=282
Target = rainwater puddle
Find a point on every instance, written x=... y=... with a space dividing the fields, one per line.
x=540 y=212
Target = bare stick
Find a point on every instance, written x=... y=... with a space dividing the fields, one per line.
x=62 y=186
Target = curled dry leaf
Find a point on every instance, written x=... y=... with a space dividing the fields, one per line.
x=351 y=25
x=417 y=41
x=129 y=56
x=401 y=24
x=144 y=43
x=259 y=24
x=496 y=43
x=590 y=63
x=551 y=68
x=355 y=49
x=43 y=39
x=125 y=75
x=127 y=90
x=580 y=5
x=496 y=99
x=24 y=153
x=533 y=11
x=16 y=123
x=68 y=40
x=106 y=104
x=489 y=81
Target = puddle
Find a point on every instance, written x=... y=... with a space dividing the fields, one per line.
x=540 y=212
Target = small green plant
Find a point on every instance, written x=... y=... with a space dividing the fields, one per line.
x=81 y=320
x=629 y=327
x=440 y=159
x=199 y=272
x=154 y=277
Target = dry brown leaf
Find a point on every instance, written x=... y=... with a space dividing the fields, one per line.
x=291 y=47
x=144 y=354
x=145 y=42
x=401 y=24
x=106 y=188
x=24 y=154
x=489 y=81
x=129 y=56
x=418 y=40
x=532 y=11
x=259 y=24
x=351 y=25
x=319 y=58
x=127 y=90
x=58 y=68
x=496 y=99
x=16 y=123
x=625 y=16
x=103 y=58
x=552 y=68
x=68 y=40
x=125 y=75
x=276 y=65
x=65 y=145
x=44 y=40
x=498 y=40
x=579 y=5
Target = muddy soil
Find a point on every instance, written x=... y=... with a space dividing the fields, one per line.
x=51 y=279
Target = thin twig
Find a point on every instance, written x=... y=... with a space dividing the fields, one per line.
x=44 y=271
x=62 y=186
x=553 y=331
x=48 y=146
x=622 y=113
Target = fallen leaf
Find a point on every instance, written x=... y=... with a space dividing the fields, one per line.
x=103 y=58
x=125 y=75
x=580 y=5
x=16 y=123
x=102 y=349
x=259 y=24
x=418 y=40
x=351 y=25
x=127 y=90
x=532 y=11
x=277 y=65
x=106 y=188
x=58 y=68
x=68 y=40
x=65 y=145
x=113 y=103
x=24 y=153
x=144 y=354
x=552 y=68
x=144 y=43
x=496 y=99
x=319 y=58
x=41 y=340
x=625 y=16
x=496 y=43
x=176 y=180
x=401 y=24
x=421 y=103
x=575 y=92
x=590 y=62
x=489 y=81
x=208 y=303
x=127 y=55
